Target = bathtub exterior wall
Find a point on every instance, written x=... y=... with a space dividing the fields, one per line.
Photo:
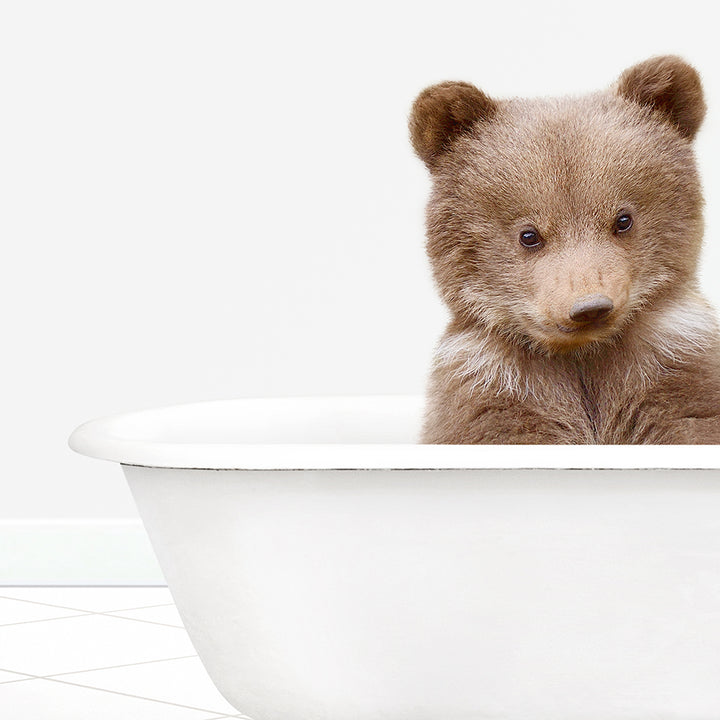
x=454 y=594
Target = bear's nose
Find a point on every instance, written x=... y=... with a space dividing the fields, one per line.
x=591 y=307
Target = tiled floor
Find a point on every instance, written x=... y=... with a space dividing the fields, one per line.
x=89 y=653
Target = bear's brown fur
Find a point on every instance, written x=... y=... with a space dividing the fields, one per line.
x=593 y=329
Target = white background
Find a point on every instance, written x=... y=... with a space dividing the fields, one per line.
x=217 y=199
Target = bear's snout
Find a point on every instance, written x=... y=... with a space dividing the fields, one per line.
x=581 y=293
x=591 y=308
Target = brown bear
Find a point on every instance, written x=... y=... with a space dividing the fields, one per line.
x=564 y=237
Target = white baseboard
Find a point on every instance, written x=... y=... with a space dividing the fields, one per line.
x=76 y=552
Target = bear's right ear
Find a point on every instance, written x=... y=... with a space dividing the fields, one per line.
x=441 y=112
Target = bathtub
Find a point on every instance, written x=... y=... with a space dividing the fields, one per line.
x=327 y=567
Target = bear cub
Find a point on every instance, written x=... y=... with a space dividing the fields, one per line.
x=564 y=237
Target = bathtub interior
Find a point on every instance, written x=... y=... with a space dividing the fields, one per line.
x=278 y=421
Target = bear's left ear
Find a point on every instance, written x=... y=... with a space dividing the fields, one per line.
x=671 y=87
x=442 y=112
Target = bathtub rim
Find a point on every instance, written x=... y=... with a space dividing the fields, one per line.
x=103 y=438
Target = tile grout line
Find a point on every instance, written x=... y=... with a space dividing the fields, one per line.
x=108 y=667
x=65 y=607
x=137 y=697
x=37 y=602
x=81 y=613
x=116 y=667
x=151 y=622
x=142 y=607
x=91 y=612
x=25 y=676
x=117 y=692
x=62 y=617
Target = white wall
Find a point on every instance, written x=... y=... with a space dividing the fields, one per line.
x=216 y=199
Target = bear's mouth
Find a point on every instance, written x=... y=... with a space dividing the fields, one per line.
x=579 y=328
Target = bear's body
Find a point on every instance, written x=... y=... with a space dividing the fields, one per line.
x=564 y=237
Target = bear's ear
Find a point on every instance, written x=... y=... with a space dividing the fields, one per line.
x=671 y=87
x=441 y=112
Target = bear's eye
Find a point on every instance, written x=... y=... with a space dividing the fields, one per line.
x=623 y=222
x=530 y=238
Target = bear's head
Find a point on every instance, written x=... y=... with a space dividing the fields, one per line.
x=554 y=221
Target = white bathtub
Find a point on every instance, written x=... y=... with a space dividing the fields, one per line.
x=327 y=567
